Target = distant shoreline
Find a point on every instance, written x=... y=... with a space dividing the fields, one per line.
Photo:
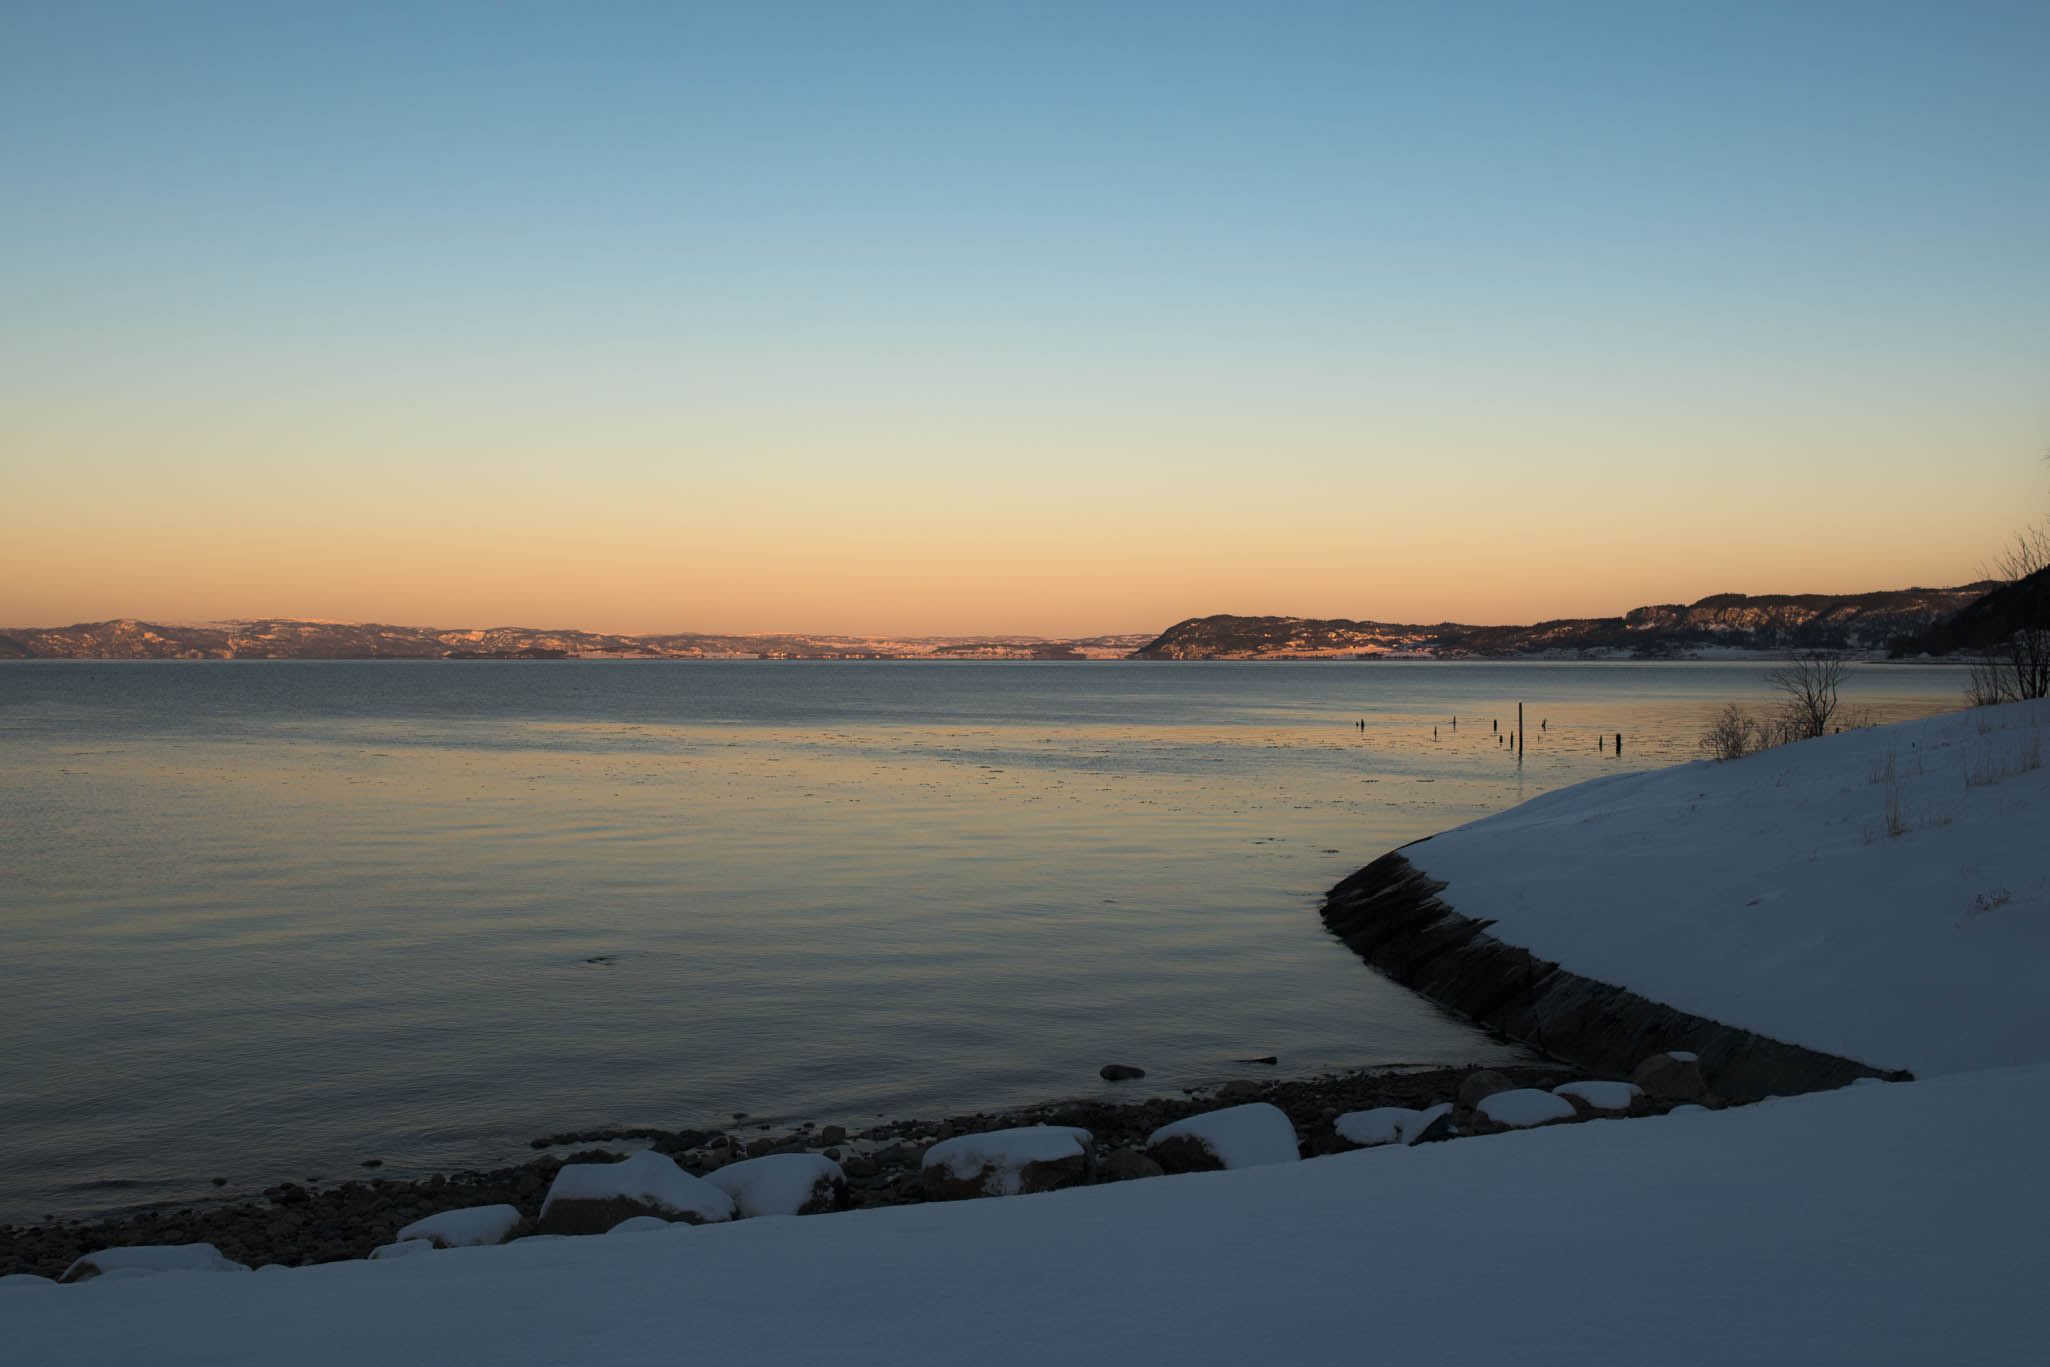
x=1892 y=620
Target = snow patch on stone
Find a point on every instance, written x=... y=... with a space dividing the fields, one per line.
x=150 y=1259
x=1602 y=1096
x=1526 y=1106
x=1388 y=1124
x=647 y=1177
x=404 y=1248
x=1247 y=1136
x=1005 y=1151
x=779 y=1183
x=464 y=1228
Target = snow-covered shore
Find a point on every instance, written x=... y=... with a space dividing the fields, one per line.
x=1883 y=1223
x=1882 y=895
x=1880 y=1224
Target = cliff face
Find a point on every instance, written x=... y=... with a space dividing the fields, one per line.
x=1864 y=621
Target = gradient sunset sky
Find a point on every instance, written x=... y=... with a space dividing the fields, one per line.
x=1050 y=318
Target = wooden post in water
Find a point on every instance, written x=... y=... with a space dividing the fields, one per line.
x=1519 y=728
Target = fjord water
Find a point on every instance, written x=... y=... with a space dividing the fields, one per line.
x=265 y=920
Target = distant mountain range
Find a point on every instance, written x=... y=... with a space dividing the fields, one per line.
x=1725 y=621
x=1862 y=621
x=282 y=638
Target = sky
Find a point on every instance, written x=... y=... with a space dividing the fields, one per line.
x=1037 y=318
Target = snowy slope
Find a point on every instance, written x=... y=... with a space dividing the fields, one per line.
x=1880 y=894
x=1876 y=1225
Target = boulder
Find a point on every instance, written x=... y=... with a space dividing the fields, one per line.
x=783 y=1184
x=1519 y=1108
x=1480 y=1084
x=1388 y=1124
x=1119 y=1072
x=1238 y=1090
x=1014 y=1162
x=1235 y=1137
x=1671 y=1076
x=590 y=1198
x=1128 y=1165
x=465 y=1228
x=1601 y=1096
x=1437 y=1125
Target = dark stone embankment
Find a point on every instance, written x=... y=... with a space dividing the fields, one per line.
x=1391 y=915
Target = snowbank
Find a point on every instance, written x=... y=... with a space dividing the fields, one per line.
x=1247 y=1136
x=782 y=1184
x=1869 y=894
x=461 y=1228
x=1864 y=1225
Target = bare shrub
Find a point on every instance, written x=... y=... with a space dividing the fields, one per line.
x=1732 y=735
x=1982 y=686
x=1808 y=682
x=1896 y=813
x=2018 y=668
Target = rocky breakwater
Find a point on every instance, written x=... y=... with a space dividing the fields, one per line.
x=1392 y=915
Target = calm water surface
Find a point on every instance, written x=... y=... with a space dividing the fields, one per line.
x=268 y=919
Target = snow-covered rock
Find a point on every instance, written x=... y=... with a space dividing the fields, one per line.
x=1602 y=1096
x=147 y=1259
x=642 y=1224
x=404 y=1248
x=22 y=1281
x=1012 y=1162
x=590 y=1198
x=783 y=1184
x=464 y=1228
x=1236 y=1137
x=1389 y=1124
x=1526 y=1106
